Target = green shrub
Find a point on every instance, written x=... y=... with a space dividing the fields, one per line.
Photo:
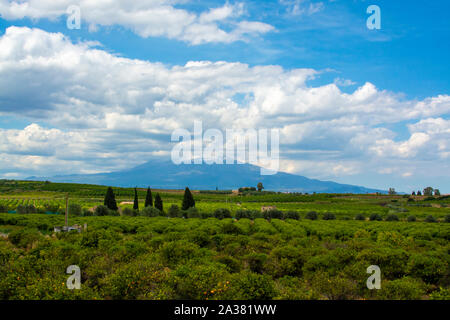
x=150 y=212
x=430 y=268
x=293 y=288
x=3 y=208
x=201 y=238
x=250 y=286
x=430 y=218
x=192 y=212
x=75 y=210
x=292 y=215
x=243 y=214
x=360 y=216
x=392 y=261
x=312 y=215
x=198 y=281
x=101 y=210
x=411 y=218
x=346 y=218
x=233 y=265
x=87 y=213
x=222 y=213
x=447 y=218
x=441 y=294
x=174 y=211
x=256 y=261
x=206 y=215
x=255 y=214
x=402 y=289
x=375 y=217
x=231 y=228
x=24 y=237
x=285 y=261
x=334 y=287
x=176 y=252
x=129 y=212
x=272 y=214
x=391 y=217
x=328 y=216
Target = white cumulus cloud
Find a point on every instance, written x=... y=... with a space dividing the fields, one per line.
x=147 y=18
x=103 y=112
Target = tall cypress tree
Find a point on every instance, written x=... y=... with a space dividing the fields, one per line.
x=136 y=200
x=158 y=202
x=188 y=200
x=149 y=198
x=110 y=199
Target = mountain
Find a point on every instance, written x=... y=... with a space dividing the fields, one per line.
x=166 y=175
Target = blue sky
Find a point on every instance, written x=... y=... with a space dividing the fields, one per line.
x=401 y=70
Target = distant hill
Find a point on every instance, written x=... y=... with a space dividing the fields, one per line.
x=166 y=175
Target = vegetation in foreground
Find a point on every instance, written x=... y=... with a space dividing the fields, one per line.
x=308 y=247
x=175 y=258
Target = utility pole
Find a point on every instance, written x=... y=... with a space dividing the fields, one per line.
x=67 y=210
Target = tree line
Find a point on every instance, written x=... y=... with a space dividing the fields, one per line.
x=428 y=191
x=111 y=203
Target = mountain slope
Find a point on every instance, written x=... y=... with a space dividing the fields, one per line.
x=166 y=175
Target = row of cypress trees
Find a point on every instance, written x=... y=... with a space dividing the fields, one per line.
x=110 y=200
x=148 y=200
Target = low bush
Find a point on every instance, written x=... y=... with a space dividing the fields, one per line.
x=233 y=265
x=243 y=214
x=429 y=267
x=150 y=212
x=273 y=214
x=292 y=215
x=285 y=261
x=101 y=210
x=174 y=211
x=411 y=218
x=360 y=216
x=312 y=215
x=193 y=212
x=430 y=218
x=250 y=286
x=177 y=252
x=375 y=217
x=391 y=217
x=222 y=213
x=328 y=216
x=256 y=261
x=129 y=212
x=87 y=213
x=402 y=289
x=231 y=228
x=24 y=237
x=206 y=215
x=255 y=214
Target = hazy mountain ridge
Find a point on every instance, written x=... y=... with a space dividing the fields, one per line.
x=166 y=175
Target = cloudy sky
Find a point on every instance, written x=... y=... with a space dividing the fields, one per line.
x=353 y=105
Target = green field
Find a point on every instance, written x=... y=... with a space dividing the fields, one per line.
x=139 y=257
